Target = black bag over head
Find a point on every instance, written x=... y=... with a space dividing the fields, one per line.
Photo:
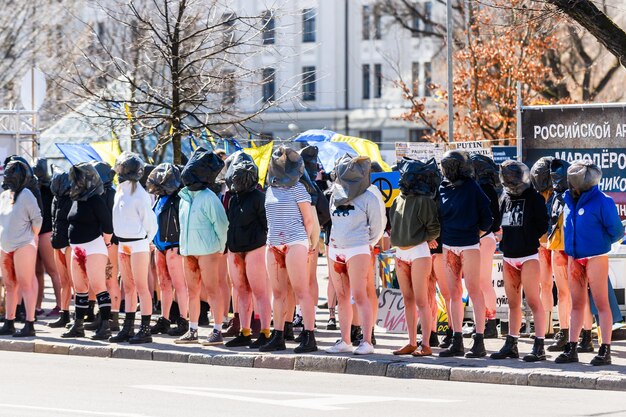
x=40 y=169
x=85 y=182
x=419 y=177
x=129 y=167
x=60 y=184
x=515 y=177
x=582 y=176
x=106 y=172
x=310 y=156
x=17 y=176
x=201 y=170
x=558 y=175
x=286 y=167
x=353 y=178
x=456 y=166
x=164 y=180
x=486 y=171
x=540 y=174
x=242 y=174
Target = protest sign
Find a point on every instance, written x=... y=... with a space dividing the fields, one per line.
x=391 y=311
x=388 y=185
x=503 y=153
x=473 y=147
x=422 y=151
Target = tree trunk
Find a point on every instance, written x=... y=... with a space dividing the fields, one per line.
x=598 y=24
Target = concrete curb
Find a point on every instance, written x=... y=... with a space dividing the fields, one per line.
x=337 y=364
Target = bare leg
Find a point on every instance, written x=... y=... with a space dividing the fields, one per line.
x=177 y=276
x=559 y=266
x=453 y=281
x=46 y=254
x=279 y=281
x=193 y=280
x=420 y=273
x=209 y=266
x=128 y=281
x=257 y=279
x=241 y=287
x=113 y=285
x=359 y=273
x=165 y=283
x=545 y=279
x=532 y=290
x=578 y=287
x=471 y=272
x=24 y=260
x=341 y=283
x=403 y=272
x=487 y=249
x=63 y=267
x=10 y=283
x=597 y=275
x=296 y=263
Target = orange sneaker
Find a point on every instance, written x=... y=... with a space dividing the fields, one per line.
x=424 y=351
x=407 y=350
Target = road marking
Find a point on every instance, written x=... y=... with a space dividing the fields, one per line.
x=311 y=401
x=71 y=410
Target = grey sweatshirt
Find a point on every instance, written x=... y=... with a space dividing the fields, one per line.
x=359 y=223
x=18 y=219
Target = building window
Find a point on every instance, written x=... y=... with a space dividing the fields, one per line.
x=229 y=95
x=269 y=84
x=269 y=27
x=418 y=135
x=366 y=81
x=378 y=80
x=378 y=28
x=367 y=15
x=367 y=23
x=228 y=34
x=428 y=16
x=375 y=136
x=415 y=78
x=427 y=79
x=308 y=83
x=308 y=25
x=415 y=24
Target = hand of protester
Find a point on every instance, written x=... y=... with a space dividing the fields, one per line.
x=433 y=244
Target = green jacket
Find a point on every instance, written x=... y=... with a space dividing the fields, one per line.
x=203 y=223
x=414 y=220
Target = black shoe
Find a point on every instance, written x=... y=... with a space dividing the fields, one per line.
x=114 y=323
x=104 y=332
x=288 y=331
x=262 y=340
x=569 y=355
x=356 y=335
x=20 y=314
x=63 y=319
x=456 y=348
x=509 y=350
x=77 y=330
x=239 y=341
x=203 y=320
x=308 y=343
x=299 y=338
x=560 y=340
x=603 y=357
x=276 y=342
x=29 y=330
x=491 y=329
x=332 y=324
x=297 y=321
x=447 y=339
x=95 y=324
x=162 y=325
x=586 y=343
x=182 y=326
x=128 y=331
x=538 y=353
x=142 y=336
x=433 y=340
x=90 y=316
x=478 y=348
x=373 y=338
x=8 y=328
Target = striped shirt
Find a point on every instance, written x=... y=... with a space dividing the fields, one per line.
x=284 y=219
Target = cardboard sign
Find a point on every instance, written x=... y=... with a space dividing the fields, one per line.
x=391 y=311
x=422 y=151
x=387 y=183
x=473 y=147
x=503 y=153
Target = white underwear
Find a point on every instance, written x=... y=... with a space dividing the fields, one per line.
x=344 y=255
x=136 y=246
x=517 y=263
x=409 y=255
x=96 y=246
x=458 y=250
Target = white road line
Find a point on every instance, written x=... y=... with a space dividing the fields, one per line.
x=71 y=410
x=311 y=401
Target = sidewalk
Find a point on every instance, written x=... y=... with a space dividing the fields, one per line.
x=383 y=363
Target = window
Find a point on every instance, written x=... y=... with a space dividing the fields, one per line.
x=415 y=24
x=229 y=95
x=366 y=81
x=375 y=136
x=269 y=27
x=366 y=22
x=427 y=79
x=269 y=84
x=428 y=16
x=417 y=135
x=415 y=78
x=378 y=29
x=228 y=34
x=308 y=25
x=308 y=83
x=378 y=80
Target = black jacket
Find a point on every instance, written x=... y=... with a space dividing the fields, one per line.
x=247 y=224
x=524 y=221
x=109 y=198
x=46 y=209
x=89 y=220
x=60 y=225
x=169 y=226
x=490 y=191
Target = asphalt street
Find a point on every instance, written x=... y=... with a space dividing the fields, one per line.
x=54 y=385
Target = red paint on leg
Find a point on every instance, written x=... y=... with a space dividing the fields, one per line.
x=453 y=261
x=403 y=266
x=81 y=257
x=340 y=265
x=239 y=261
x=490 y=314
x=9 y=266
x=161 y=264
x=279 y=257
x=545 y=255
x=578 y=272
x=192 y=264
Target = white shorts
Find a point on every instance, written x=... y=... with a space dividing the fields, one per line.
x=136 y=246
x=409 y=255
x=517 y=263
x=344 y=255
x=490 y=236
x=96 y=246
x=458 y=250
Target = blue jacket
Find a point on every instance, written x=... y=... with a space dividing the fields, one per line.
x=203 y=223
x=591 y=224
x=465 y=210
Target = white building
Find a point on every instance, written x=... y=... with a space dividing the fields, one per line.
x=338 y=63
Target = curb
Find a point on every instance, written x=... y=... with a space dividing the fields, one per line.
x=337 y=364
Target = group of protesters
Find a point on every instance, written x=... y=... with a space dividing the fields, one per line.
x=216 y=236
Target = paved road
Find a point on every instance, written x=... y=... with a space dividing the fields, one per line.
x=51 y=385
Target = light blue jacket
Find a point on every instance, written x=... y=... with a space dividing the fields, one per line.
x=203 y=223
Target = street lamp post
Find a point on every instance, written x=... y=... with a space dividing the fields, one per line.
x=450 y=72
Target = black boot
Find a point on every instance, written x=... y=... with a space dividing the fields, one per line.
x=509 y=350
x=115 y=321
x=63 y=319
x=538 y=353
x=491 y=329
x=162 y=325
x=239 y=341
x=603 y=357
x=95 y=324
x=27 y=331
x=569 y=355
x=77 y=330
x=128 y=330
x=143 y=335
x=182 y=326
x=433 y=340
x=104 y=332
x=456 y=348
x=299 y=338
x=373 y=338
x=560 y=340
x=307 y=344
x=478 y=348
x=20 y=314
x=356 y=335
x=262 y=340
x=447 y=339
x=8 y=328
x=288 y=332
x=233 y=327
x=276 y=342
x=203 y=320
x=586 y=343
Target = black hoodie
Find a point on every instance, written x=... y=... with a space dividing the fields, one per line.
x=524 y=221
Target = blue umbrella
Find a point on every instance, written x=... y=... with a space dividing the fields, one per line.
x=315 y=135
x=329 y=152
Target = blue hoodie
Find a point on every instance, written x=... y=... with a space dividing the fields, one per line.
x=590 y=224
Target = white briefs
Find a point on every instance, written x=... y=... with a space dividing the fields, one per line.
x=409 y=255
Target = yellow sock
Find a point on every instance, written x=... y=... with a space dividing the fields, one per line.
x=266 y=332
x=246 y=332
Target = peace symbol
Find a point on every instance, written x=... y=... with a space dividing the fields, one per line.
x=385 y=188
